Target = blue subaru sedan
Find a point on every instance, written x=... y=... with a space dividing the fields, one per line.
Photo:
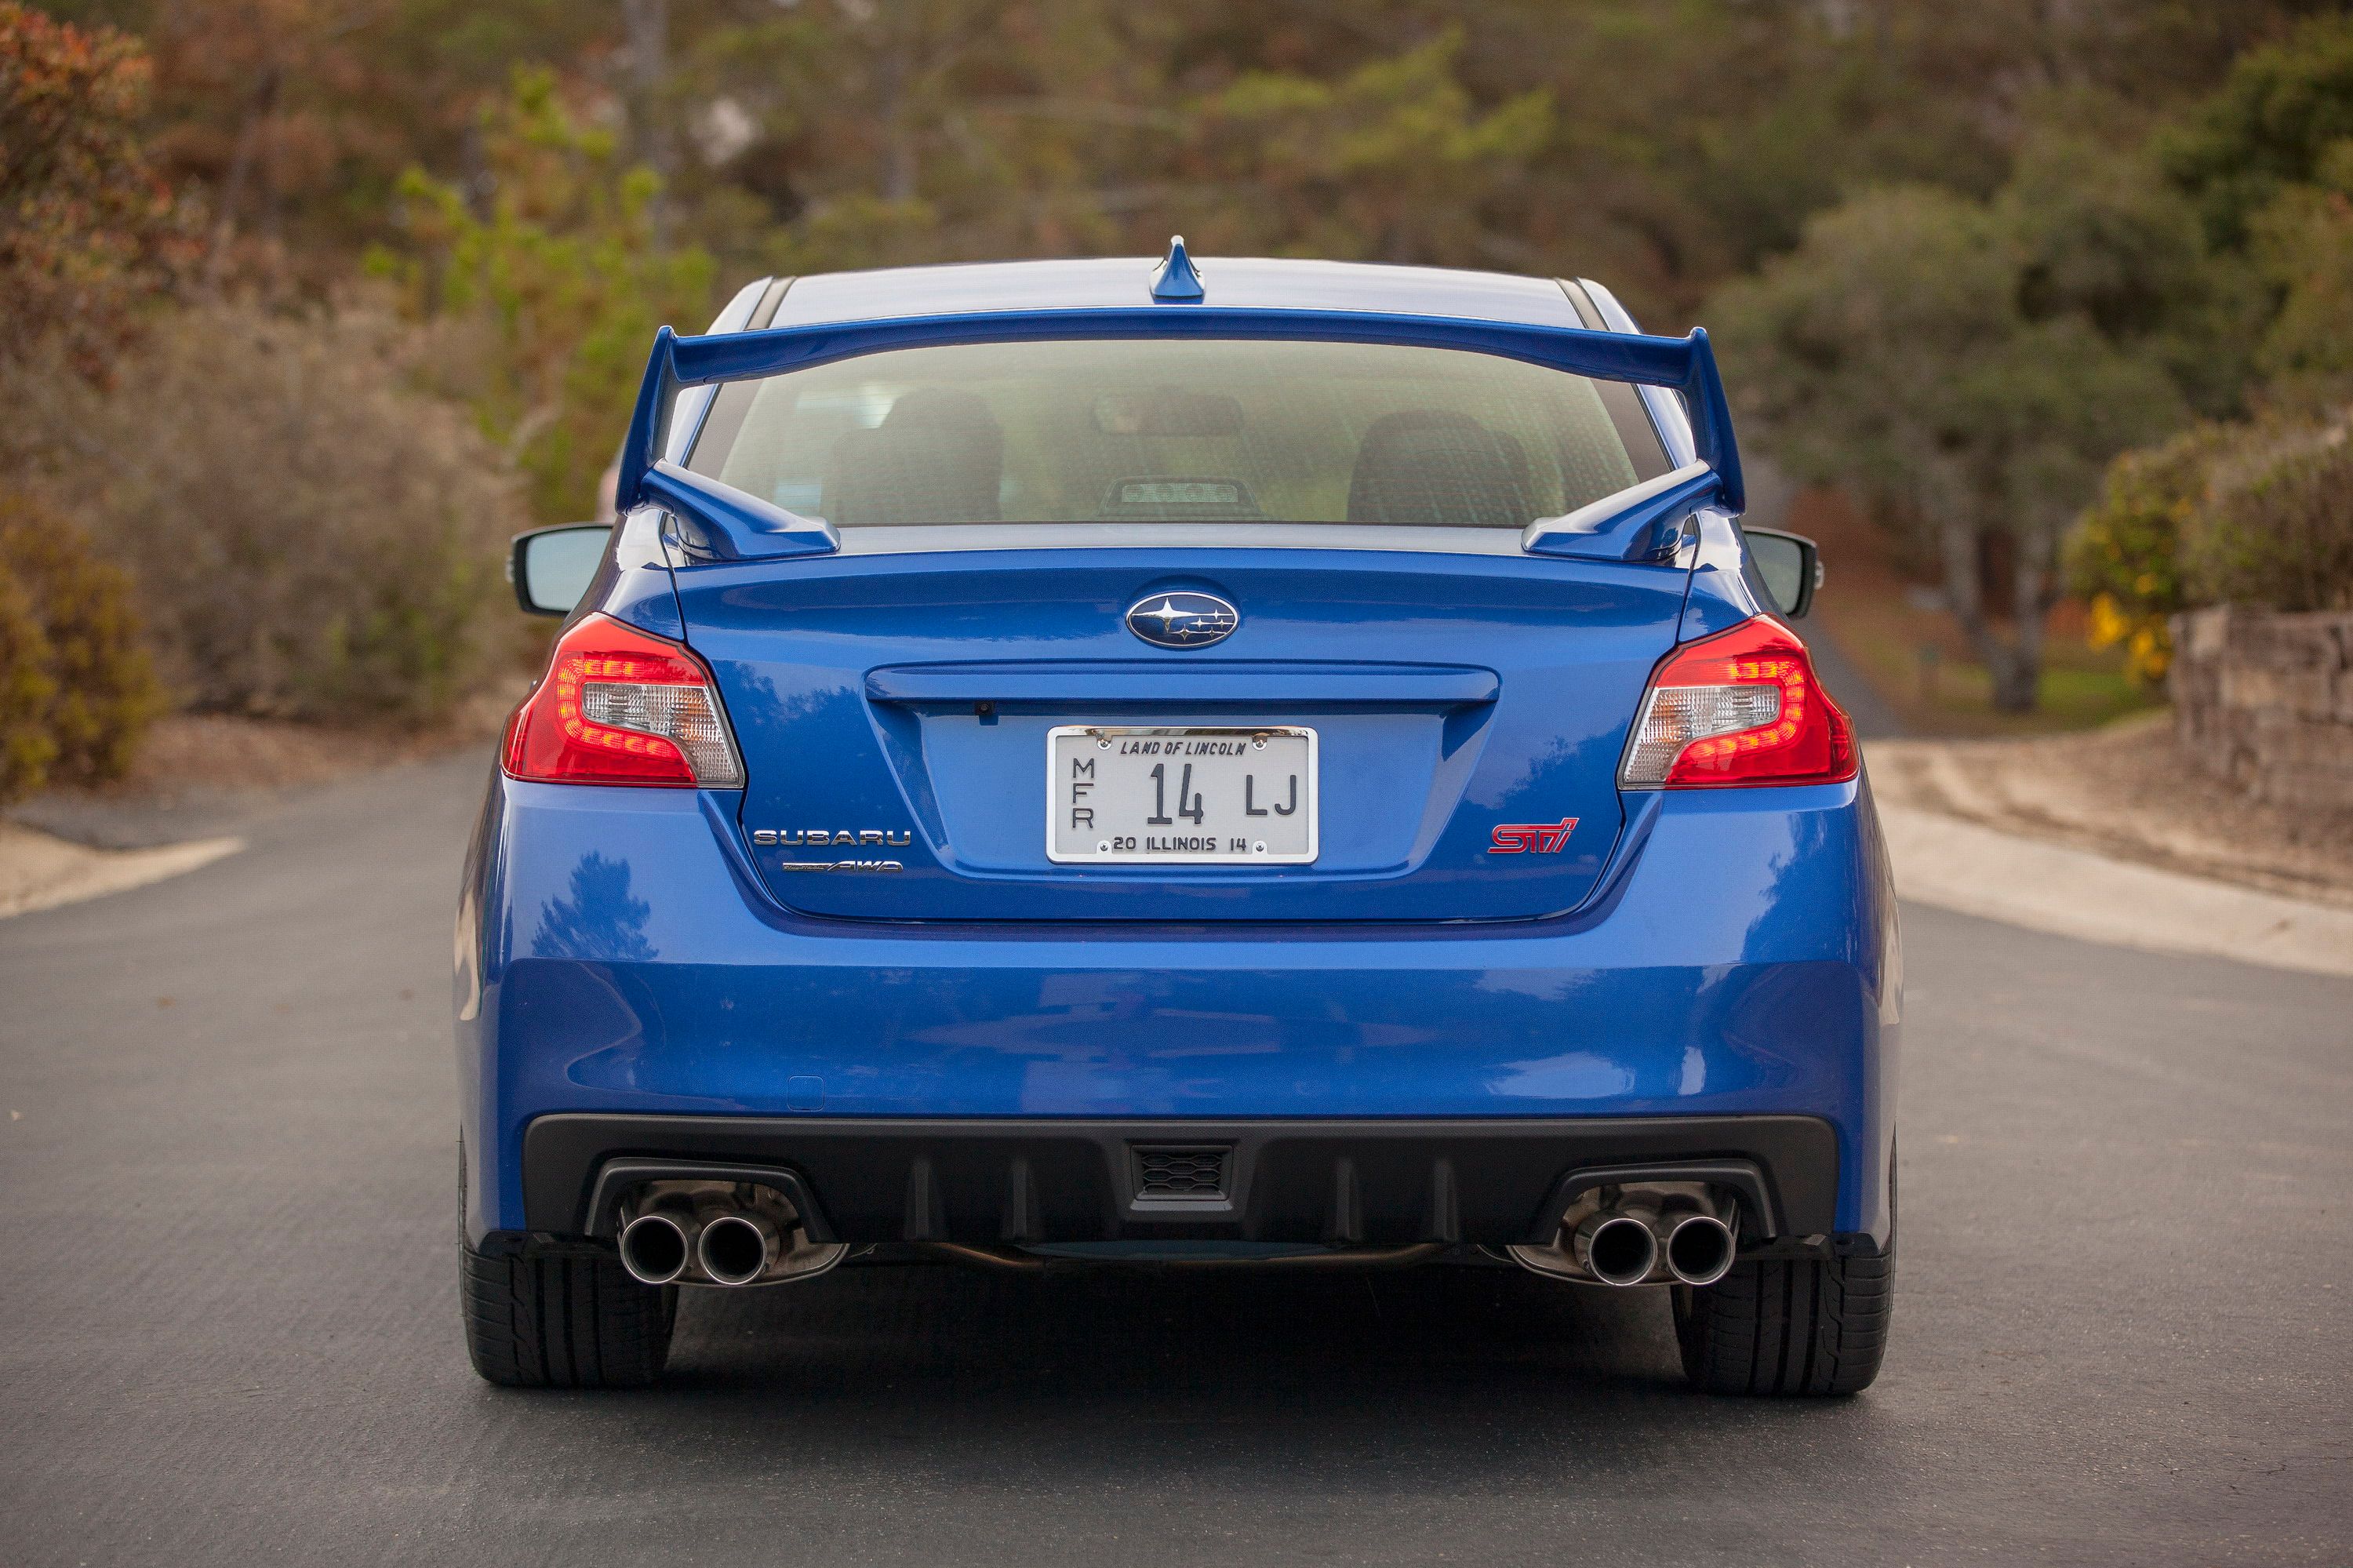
x=1164 y=765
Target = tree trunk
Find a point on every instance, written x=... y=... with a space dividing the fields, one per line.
x=259 y=109
x=2017 y=676
x=2015 y=665
x=2032 y=587
x=649 y=29
x=900 y=181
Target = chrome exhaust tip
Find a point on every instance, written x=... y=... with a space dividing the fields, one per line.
x=1700 y=1249
x=1615 y=1247
x=737 y=1248
x=657 y=1246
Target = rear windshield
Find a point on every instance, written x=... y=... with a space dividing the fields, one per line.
x=1189 y=431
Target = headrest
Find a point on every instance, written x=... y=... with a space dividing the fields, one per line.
x=937 y=457
x=1433 y=468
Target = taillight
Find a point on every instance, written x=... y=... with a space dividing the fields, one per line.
x=623 y=707
x=1740 y=708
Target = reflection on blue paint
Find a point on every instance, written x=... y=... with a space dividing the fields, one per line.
x=600 y=922
x=1573 y=1075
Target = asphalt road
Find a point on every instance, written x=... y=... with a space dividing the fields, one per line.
x=2124 y=1331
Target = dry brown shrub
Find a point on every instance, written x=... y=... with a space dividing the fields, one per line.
x=2277 y=528
x=77 y=690
x=26 y=689
x=312 y=538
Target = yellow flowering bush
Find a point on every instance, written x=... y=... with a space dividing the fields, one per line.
x=2125 y=556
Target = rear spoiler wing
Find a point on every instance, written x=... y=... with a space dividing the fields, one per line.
x=1641 y=523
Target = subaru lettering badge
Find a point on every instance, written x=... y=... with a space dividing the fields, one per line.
x=1183 y=619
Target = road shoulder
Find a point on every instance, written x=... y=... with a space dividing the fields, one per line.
x=202 y=785
x=2106 y=837
x=41 y=870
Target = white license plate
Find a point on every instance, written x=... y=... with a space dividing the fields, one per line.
x=1117 y=795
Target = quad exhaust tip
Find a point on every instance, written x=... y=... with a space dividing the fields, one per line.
x=1700 y=1249
x=731 y=1227
x=1658 y=1231
x=656 y=1247
x=736 y=1249
x=1617 y=1248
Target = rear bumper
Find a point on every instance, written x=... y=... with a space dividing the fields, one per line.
x=616 y=962
x=1491 y=1181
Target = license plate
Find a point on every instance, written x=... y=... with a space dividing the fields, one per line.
x=1131 y=796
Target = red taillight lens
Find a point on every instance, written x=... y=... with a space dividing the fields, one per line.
x=623 y=707
x=1740 y=708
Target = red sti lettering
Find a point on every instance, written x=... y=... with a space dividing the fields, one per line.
x=1522 y=838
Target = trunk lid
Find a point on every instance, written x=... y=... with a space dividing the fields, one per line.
x=894 y=711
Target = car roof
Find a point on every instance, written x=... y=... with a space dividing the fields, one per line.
x=1257 y=282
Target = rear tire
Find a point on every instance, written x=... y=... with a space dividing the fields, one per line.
x=1787 y=1327
x=576 y=1321
x=1802 y=1327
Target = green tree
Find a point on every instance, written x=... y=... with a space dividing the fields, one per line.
x=2252 y=512
x=1685 y=139
x=2268 y=159
x=1393 y=161
x=2301 y=245
x=1905 y=351
x=549 y=298
x=931 y=130
x=2100 y=236
x=2277 y=117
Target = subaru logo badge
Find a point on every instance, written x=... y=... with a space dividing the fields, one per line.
x=1182 y=620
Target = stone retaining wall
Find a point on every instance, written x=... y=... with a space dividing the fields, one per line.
x=2266 y=701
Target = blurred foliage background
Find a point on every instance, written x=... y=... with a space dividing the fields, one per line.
x=313 y=301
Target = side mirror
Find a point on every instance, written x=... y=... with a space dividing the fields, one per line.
x=552 y=567
x=1790 y=565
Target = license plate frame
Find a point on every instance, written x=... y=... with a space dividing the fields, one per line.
x=1311 y=808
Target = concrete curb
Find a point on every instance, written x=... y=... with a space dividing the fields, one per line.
x=41 y=871
x=1975 y=870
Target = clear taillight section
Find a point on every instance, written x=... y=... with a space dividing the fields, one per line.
x=1740 y=708
x=623 y=707
x=1677 y=717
